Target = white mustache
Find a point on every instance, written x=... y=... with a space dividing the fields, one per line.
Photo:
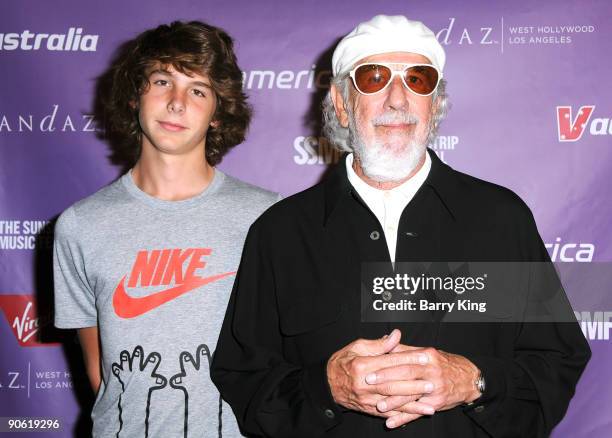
x=395 y=118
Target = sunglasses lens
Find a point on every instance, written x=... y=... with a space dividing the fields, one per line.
x=422 y=79
x=371 y=78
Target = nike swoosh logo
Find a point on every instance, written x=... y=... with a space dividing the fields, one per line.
x=127 y=306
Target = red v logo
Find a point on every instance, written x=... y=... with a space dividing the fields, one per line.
x=572 y=130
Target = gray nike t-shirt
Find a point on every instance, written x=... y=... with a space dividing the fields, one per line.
x=155 y=276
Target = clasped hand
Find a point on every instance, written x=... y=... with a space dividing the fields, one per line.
x=399 y=382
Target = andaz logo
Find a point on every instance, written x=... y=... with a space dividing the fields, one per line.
x=571 y=129
x=481 y=35
x=20 y=313
x=162 y=267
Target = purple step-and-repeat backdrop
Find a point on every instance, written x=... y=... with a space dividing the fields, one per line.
x=531 y=110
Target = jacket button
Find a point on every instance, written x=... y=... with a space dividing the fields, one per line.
x=329 y=414
x=374 y=235
x=479 y=409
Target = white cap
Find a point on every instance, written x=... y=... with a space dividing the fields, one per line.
x=385 y=34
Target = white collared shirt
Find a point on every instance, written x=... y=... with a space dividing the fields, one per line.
x=388 y=205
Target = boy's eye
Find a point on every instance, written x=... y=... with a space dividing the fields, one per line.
x=162 y=82
x=199 y=93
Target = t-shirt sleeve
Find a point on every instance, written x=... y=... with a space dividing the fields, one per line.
x=74 y=298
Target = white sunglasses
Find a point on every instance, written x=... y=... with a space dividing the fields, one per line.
x=373 y=77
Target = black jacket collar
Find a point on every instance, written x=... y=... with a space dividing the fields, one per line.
x=442 y=178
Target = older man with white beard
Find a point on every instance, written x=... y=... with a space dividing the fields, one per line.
x=296 y=358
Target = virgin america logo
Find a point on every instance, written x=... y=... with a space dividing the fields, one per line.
x=20 y=313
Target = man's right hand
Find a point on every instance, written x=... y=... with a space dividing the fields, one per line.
x=347 y=370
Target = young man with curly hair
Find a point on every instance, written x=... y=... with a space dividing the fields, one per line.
x=144 y=267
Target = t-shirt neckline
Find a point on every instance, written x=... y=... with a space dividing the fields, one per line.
x=129 y=184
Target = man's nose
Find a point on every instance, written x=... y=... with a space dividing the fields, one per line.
x=397 y=95
x=176 y=104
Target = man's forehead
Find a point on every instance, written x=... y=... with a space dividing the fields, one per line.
x=170 y=70
x=396 y=57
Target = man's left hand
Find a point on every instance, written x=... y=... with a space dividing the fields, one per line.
x=452 y=375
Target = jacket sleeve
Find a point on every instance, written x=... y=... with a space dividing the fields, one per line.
x=529 y=394
x=269 y=395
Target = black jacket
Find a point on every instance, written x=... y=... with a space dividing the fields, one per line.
x=296 y=301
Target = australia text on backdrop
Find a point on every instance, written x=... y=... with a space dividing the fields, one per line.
x=73 y=40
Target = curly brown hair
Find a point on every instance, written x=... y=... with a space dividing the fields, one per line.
x=187 y=47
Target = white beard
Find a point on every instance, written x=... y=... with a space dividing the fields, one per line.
x=385 y=163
